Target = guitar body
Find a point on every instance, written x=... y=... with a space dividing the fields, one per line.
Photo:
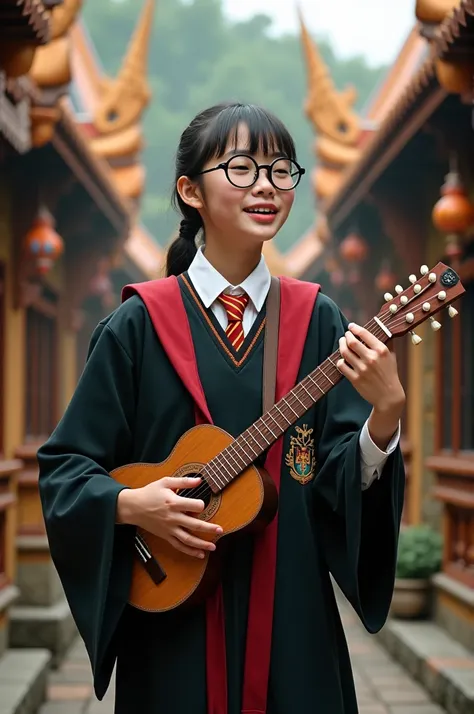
x=247 y=504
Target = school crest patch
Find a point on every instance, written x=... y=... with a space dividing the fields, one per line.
x=300 y=457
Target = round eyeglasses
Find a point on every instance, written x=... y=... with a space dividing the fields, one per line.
x=243 y=171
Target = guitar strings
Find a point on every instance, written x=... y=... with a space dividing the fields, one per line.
x=388 y=318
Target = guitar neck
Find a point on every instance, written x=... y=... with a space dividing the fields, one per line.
x=255 y=440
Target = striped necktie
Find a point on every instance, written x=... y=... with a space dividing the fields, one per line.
x=235 y=307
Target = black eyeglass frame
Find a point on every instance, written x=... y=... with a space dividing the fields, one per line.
x=258 y=167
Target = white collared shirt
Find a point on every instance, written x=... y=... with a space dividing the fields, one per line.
x=209 y=284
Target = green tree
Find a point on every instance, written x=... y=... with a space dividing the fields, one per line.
x=198 y=57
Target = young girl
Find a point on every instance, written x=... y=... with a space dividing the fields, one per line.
x=269 y=640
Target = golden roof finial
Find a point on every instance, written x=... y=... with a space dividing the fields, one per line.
x=125 y=98
x=330 y=111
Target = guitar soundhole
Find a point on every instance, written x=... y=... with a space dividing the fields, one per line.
x=202 y=492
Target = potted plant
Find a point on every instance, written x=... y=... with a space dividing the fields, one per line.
x=420 y=552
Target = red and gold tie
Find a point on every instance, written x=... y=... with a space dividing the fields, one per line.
x=235 y=307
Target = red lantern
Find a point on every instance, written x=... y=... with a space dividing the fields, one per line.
x=453 y=213
x=43 y=245
x=354 y=249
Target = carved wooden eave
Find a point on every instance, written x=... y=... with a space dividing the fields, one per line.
x=15 y=103
x=125 y=143
x=454 y=73
x=122 y=101
x=130 y=180
x=24 y=26
x=430 y=13
x=337 y=125
x=24 y=20
x=142 y=258
x=51 y=71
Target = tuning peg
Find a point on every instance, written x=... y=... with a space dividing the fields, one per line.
x=417 y=288
x=432 y=277
x=387 y=297
x=409 y=317
x=435 y=325
x=442 y=295
x=412 y=279
x=424 y=270
x=416 y=339
x=398 y=289
x=426 y=307
x=452 y=311
x=404 y=299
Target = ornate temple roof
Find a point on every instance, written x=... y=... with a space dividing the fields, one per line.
x=110 y=112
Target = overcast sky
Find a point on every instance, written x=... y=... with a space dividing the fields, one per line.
x=375 y=28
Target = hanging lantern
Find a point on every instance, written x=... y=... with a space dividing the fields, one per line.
x=43 y=245
x=386 y=279
x=453 y=213
x=353 y=248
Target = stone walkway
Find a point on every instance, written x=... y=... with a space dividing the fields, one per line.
x=382 y=686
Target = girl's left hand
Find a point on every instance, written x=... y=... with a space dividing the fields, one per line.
x=371 y=367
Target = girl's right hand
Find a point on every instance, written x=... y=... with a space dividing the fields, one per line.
x=158 y=509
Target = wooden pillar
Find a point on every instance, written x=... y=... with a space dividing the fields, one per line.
x=10 y=338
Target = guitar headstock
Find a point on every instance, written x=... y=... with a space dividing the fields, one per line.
x=433 y=291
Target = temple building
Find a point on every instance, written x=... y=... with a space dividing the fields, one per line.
x=71 y=179
x=395 y=191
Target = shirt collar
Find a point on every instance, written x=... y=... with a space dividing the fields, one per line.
x=209 y=283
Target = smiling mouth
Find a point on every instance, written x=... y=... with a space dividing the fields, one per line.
x=262 y=211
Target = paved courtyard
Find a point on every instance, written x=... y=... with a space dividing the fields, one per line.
x=382 y=686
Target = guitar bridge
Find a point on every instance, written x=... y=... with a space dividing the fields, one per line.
x=151 y=565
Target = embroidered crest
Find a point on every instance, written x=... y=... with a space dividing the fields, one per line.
x=300 y=458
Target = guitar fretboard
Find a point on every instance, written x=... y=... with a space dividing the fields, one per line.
x=255 y=440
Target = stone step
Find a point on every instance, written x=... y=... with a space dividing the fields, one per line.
x=23 y=680
x=51 y=627
x=442 y=665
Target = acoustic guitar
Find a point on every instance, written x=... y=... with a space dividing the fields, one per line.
x=237 y=494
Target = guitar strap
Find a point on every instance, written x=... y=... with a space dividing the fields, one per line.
x=270 y=348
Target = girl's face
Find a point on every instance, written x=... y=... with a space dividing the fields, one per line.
x=230 y=213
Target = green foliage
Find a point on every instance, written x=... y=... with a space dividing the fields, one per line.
x=198 y=58
x=419 y=552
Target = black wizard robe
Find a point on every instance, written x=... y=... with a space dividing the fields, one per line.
x=269 y=640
